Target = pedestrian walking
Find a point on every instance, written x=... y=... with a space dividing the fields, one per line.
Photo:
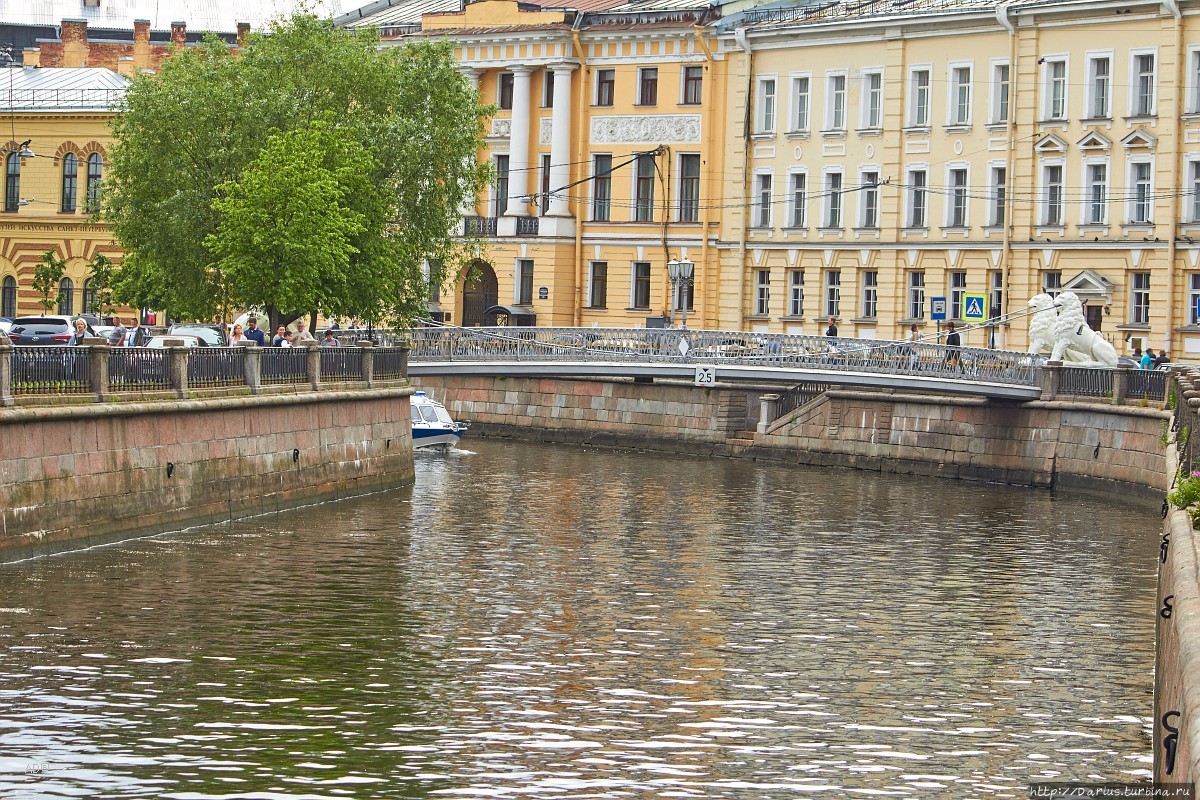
x=301 y=334
x=831 y=331
x=954 y=342
x=281 y=338
x=329 y=340
x=1147 y=359
x=81 y=332
x=910 y=343
x=1161 y=359
x=254 y=334
x=237 y=337
x=116 y=337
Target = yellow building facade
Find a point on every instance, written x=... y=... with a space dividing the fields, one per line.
x=900 y=152
x=52 y=157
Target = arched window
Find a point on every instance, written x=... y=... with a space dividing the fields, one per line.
x=12 y=182
x=70 y=184
x=8 y=297
x=94 y=166
x=66 y=296
x=89 y=297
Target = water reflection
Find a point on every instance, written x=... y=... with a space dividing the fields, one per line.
x=534 y=621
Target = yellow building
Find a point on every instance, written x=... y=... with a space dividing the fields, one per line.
x=607 y=149
x=53 y=156
x=901 y=151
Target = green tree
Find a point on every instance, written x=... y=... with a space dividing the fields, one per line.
x=47 y=278
x=217 y=149
x=101 y=271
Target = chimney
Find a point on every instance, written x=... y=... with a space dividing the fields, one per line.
x=126 y=67
x=179 y=33
x=74 y=42
x=31 y=56
x=243 y=28
x=141 y=43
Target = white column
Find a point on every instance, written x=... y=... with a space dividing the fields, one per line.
x=472 y=75
x=518 y=145
x=560 y=140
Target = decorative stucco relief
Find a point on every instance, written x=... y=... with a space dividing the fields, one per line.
x=502 y=128
x=545 y=131
x=647 y=129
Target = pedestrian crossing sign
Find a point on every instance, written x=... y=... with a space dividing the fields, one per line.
x=973 y=307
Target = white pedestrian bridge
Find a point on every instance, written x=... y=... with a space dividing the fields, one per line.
x=732 y=356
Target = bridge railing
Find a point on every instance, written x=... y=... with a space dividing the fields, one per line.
x=708 y=347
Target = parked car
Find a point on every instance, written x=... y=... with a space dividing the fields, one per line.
x=5 y=324
x=211 y=335
x=171 y=338
x=47 y=331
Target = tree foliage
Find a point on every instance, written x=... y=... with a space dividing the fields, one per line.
x=310 y=170
x=101 y=271
x=47 y=278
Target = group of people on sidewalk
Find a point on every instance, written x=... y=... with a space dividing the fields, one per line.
x=283 y=337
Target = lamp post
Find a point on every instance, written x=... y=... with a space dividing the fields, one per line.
x=681 y=273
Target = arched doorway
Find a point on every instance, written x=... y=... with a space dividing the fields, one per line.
x=479 y=295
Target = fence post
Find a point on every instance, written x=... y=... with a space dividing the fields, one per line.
x=367 y=366
x=97 y=356
x=768 y=411
x=252 y=366
x=1051 y=379
x=404 y=348
x=1120 y=383
x=177 y=367
x=6 y=354
x=313 y=365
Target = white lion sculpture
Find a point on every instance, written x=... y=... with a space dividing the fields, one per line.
x=1057 y=324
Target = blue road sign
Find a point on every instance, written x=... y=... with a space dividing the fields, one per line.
x=974 y=306
x=937 y=309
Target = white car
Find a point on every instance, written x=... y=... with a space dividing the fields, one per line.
x=170 y=341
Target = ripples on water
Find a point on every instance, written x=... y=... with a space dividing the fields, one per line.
x=548 y=622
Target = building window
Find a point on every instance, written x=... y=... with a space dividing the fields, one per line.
x=70 y=182
x=958 y=198
x=95 y=165
x=648 y=86
x=545 y=175
x=1139 y=298
x=800 y=103
x=999 y=191
x=996 y=300
x=958 y=290
x=1193 y=297
x=833 y=292
x=598 y=285
x=548 y=89
x=1100 y=87
x=501 y=199
x=797 y=195
x=693 y=80
x=641 y=284
x=920 y=98
x=766 y=105
x=870 y=200
x=8 y=297
x=870 y=294
x=960 y=86
x=1056 y=89
x=524 y=281
x=1053 y=180
x=689 y=187
x=504 y=90
x=917 y=198
x=762 y=200
x=1195 y=168
x=1052 y=282
x=601 y=187
x=795 y=293
x=1143 y=101
x=836 y=120
x=605 y=86
x=872 y=100
x=833 y=200
x=1142 y=198
x=643 y=198
x=66 y=297
x=1000 y=91
x=12 y=182
x=684 y=296
x=762 y=292
x=916 y=295
x=1097 y=194
x=89 y=298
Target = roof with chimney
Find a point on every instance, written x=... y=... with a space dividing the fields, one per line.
x=35 y=89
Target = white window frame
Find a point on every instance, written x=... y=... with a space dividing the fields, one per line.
x=1192 y=84
x=866 y=123
x=868 y=295
x=1193 y=284
x=1193 y=193
x=762 y=292
x=795 y=289
x=911 y=291
x=831 y=99
x=867 y=193
x=1085 y=211
x=679 y=187
x=1135 y=292
x=596 y=87
x=1048 y=111
x=757 y=207
x=1135 y=82
x=951 y=168
x=1131 y=190
x=911 y=196
x=633 y=278
x=1094 y=56
x=829 y=195
x=760 y=103
x=795 y=124
x=1043 y=217
x=952 y=113
x=641 y=100
x=1045 y=279
x=997 y=194
x=1000 y=99
x=831 y=293
x=956 y=295
x=591 y=275
x=914 y=121
x=517 y=278
x=791 y=202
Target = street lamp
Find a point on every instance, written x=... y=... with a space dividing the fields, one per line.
x=681 y=273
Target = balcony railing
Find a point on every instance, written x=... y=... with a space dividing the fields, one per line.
x=527 y=226
x=479 y=226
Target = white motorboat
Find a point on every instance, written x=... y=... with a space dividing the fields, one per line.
x=431 y=423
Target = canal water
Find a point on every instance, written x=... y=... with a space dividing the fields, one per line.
x=538 y=621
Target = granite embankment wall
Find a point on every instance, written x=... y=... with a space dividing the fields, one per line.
x=73 y=476
x=1055 y=443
